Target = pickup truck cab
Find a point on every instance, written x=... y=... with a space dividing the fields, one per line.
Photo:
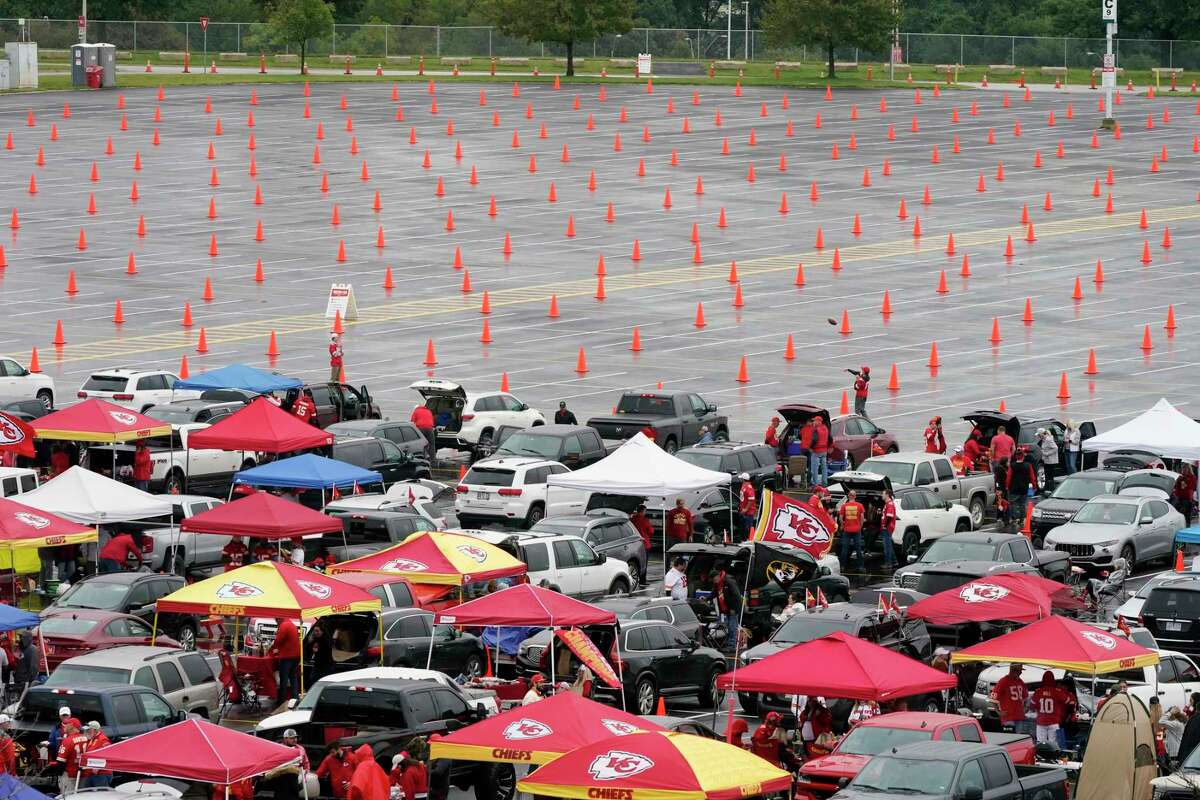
x=564 y=563
x=820 y=777
x=573 y=446
x=974 y=555
x=953 y=770
x=921 y=515
x=676 y=418
x=976 y=491
x=166 y=549
x=174 y=468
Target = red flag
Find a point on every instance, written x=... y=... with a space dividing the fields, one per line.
x=821 y=598
x=357 y=488
x=808 y=599
x=807 y=527
x=884 y=609
x=16 y=436
x=335 y=495
x=893 y=604
x=411 y=497
x=1123 y=627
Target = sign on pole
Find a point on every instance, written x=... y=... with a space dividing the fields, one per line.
x=204 y=22
x=1110 y=62
x=643 y=64
x=1108 y=10
x=341 y=299
x=82 y=23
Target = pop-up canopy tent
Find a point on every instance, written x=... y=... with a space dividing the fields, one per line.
x=87 y=497
x=193 y=750
x=1012 y=596
x=24 y=529
x=1060 y=642
x=240 y=376
x=13 y=789
x=1163 y=429
x=261 y=516
x=438 y=557
x=261 y=426
x=96 y=420
x=842 y=666
x=307 y=471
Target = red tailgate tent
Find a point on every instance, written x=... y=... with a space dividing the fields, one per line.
x=526 y=606
x=1010 y=596
x=1061 y=642
x=261 y=516
x=839 y=665
x=261 y=426
x=96 y=420
x=193 y=750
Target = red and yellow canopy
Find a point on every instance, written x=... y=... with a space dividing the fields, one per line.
x=96 y=420
x=439 y=557
x=1060 y=642
x=22 y=526
x=657 y=766
x=270 y=589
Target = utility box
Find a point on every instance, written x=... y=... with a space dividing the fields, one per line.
x=23 y=64
x=82 y=57
x=106 y=57
x=4 y=79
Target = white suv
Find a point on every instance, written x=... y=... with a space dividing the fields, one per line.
x=18 y=383
x=134 y=389
x=466 y=420
x=564 y=563
x=512 y=490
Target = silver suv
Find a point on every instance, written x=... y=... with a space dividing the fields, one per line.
x=186 y=679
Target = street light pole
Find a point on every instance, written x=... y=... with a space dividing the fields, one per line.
x=83 y=27
x=728 y=30
x=746 y=42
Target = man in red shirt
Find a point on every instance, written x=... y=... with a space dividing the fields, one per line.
x=747 y=503
x=304 y=407
x=642 y=524
x=422 y=417
x=338 y=768
x=771 y=438
x=887 y=527
x=8 y=748
x=335 y=358
x=851 y=515
x=141 y=467
x=69 y=758
x=818 y=461
x=679 y=523
x=113 y=554
x=287 y=654
x=935 y=438
x=862 y=383
x=95 y=740
x=1011 y=696
x=1049 y=701
x=1003 y=445
x=234 y=554
x=265 y=551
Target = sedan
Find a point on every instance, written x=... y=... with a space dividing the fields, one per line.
x=1112 y=526
x=66 y=634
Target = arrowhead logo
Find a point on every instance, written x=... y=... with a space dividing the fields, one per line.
x=526 y=728
x=320 y=591
x=10 y=431
x=123 y=417
x=404 y=565
x=618 y=728
x=616 y=764
x=982 y=593
x=237 y=590
x=798 y=525
x=32 y=520
x=1099 y=639
x=474 y=552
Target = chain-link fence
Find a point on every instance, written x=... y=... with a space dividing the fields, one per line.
x=687 y=44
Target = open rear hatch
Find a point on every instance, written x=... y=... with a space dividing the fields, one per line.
x=445 y=399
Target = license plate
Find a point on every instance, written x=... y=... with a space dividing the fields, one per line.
x=482 y=495
x=1172 y=626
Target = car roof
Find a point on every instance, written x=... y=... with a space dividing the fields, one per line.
x=1097 y=473
x=516 y=462
x=357 y=424
x=941 y=750
x=588 y=520
x=125 y=372
x=127 y=578
x=1124 y=499
x=634 y=603
x=983 y=537
x=372 y=513
x=122 y=656
x=98 y=614
x=197 y=403
x=354 y=440
x=383 y=673
x=496 y=537
x=1186 y=584
x=913 y=719
x=554 y=430
x=391 y=684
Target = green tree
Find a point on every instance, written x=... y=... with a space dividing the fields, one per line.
x=832 y=23
x=562 y=21
x=297 y=21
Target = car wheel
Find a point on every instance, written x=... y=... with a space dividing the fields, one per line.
x=186 y=636
x=893 y=449
x=174 y=483
x=671 y=445
x=619 y=586
x=976 y=508
x=1130 y=557
x=722 y=435
x=47 y=399
x=645 y=697
x=962 y=526
x=175 y=560
x=536 y=514
x=635 y=572
x=485 y=440
x=749 y=702
x=496 y=782
x=711 y=696
x=473 y=666
x=912 y=543
x=931 y=704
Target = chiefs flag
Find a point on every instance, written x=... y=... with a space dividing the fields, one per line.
x=586 y=651
x=16 y=436
x=807 y=527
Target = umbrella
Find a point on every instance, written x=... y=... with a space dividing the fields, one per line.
x=1010 y=596
x=1061 y=642
x=538 y=733
x=269 y=589
x=437 y=557
x=657 y=766
x=839 y=665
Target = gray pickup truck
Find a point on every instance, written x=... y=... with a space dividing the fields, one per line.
x=976 y=491
x=675 y=417
x=948 y=770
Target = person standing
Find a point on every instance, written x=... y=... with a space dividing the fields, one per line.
x=747 y=504
x=729 y=605
x=26 y=669
x=771 y=437
x=234 y=553
x=287 y=653
x=973 y=451
x=1002 y=445
x=335 y=358
x=8 y=748
x=642 y=524
x=1183 y=493
x=410 y=775
x=1074 y=442
x=819 y=453
x=1000 y=478
x=675 y=581
x=114 y=555
x=320 y=652
x=1011 y=696
x=1022 y=485
x=850 y=515
x=887 y=524
x=564 y=416
x=305 y=407
x=1049 y=450
x=935 y=438
x=862 y=385
x=70 y=756
x=141 y=466
x=100 y=778
x=1048 y=703
x=422 y=418
x=337 y=768
x=679 y=523
x=292 y=740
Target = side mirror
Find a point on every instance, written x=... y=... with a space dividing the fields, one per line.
x=843 y=782
x=712 y=408
x=291 y=704
x=1145 y=520
x=912 y=557
x=971 y=793
x=453 y=725
x=523 y=407
x=825 y=571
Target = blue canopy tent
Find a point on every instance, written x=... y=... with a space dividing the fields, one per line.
x=14 y=619
x=1189 y=535
x=13 y=789
x=308 y=471
x=240 y=376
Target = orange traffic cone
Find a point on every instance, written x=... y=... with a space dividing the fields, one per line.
x=845 y=406
x=1170 y=326
x=187 y=315
x=1027 y=316
x=486 y=336
x=893 y=380
x=258 y=272
x=71 y=287
x=636 y=344
x=1179 y=567
x=699 y=322
x=1063 y=392
x=844 y=328
x=743 y=376
x=1147 y=342
x=995 y=337
x=789 y=349
x=553 y=313
x=272 y=346
x=886 y=307
x=118 y=314
x=934 y=363
x=504 y=381
x=34 y=366
x=1091 y=364
x=430 y=357
x=581 y=362
x=202 y=342
x=184 y=372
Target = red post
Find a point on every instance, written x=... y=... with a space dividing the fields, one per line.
x=262 y=64
x=712 y=70
x=776 y=72
x=347 y=72
x=1174 y=76
x=421 y=66
x=187 y=62
x=493 y=66
x=1022 y=84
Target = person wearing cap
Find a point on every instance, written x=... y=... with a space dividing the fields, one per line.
x=410 y=775
x=1012 y=695
x=974 y=451
x=851 y=516
x=887 y=528
x=296 y=556
x=747 y=503
x=534 y=694
x=818 y=445
x=771 y=437
x=70 y=756
x=292 y=740
x=305 y=407
x=338 y=768
x=862 y=382
x=958 y=461
x=59 y=731
x=935 y=437
x=8 y=748
x=768 y=739
x=335 y=358
x=564 y=416
x=1049 y=449
x=95 y=740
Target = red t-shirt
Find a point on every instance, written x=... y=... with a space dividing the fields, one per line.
x=141 y=464
x=335 y=354
x=234 y=554
x=1048 y=704
x=679 y=524
x=422 y=417
x=1003 y=446
x=851 y=515
x=1011 y=694
x=747 y=501
x=860 y=387
x=119 y=547
x=339 y=771
x=643 y=526
x=889 y=516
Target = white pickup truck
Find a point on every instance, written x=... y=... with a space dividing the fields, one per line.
x=166 y=549
x=976 y=491
x=175 y=469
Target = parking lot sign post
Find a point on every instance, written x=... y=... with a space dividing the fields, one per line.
x=204 y=29
x=1108 y=73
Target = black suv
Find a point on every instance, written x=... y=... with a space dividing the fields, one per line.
x=337 y=402
x=406 y=638
x=609 y=532
x=734 y=458
x=382 y=456
x=365 y=532
x=1172 y=615
x=131 y=593
x=404 y=435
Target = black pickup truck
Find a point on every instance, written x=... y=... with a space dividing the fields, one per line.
x=974 y=555
x=675 y=417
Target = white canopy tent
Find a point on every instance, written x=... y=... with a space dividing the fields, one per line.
x=90 y=498
x=1163 y=429
x=641 y=467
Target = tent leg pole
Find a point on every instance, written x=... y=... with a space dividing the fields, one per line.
x=553 y=637
x=237 y=634
x=301 y=693
x=429 y=657
x=664 y=530
x=154 y=633
x=620 y=664
x=380 y=616
x=45 y=658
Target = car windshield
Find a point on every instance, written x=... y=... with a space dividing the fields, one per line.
x=1107 y=513
x=943 y=550
x=94 y=594
x=867 y=740
x=1169 y=601
x=176 y=415
x=646 y=405
x=310 y=698
x=906 y=776
x=701 y=459
x=482 y=476
x=66 y=626
x=1080 y=488
x=805 y=628
x=72 y=675
x=530 y=444
x=899 y=472
x=1152 y=480
x=105 y=383
x=549 y=526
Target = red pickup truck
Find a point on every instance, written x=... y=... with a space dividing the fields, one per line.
x=820 y=777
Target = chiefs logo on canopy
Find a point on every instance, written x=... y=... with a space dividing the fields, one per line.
x=32 y=520
x=1099 y=639
x=526 y=728
x=617 y=764
x=321 y=591
x=123 y=417
x=983 y=593
x=619 y=728
x=404 y=565
x=477 y=554
x=236 y=590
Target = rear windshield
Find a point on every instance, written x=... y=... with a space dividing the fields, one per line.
x=1083 y=488
x=174 y=415
x=530 y=444
x=934 y=582
x=899 y=472
x=1168 y=601
x=951 y=551
x=700 y=459
x=67 y=626
x=374 y=708
x=43 y=707
x=805 y=628
x=1164 y=482
x=481 y=476
x=81 y=675
x=94 y=594
x=105 y=383
x=646 y=404
x=866 y=740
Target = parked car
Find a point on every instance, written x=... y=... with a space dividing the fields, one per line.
x=429 y=498
x=396 y=592
x=18 y=384
x=134 y=389
x=1024 y=430
x=1113 y=526
x=182 y=412
x=976 y=490
x=1172 y=615
x=1059 y=505
x=17 y=480
x=1128 y=458
x=66 y=634
x=499 y=437
x=407 y=637
x=759 y=461
x=380 y=455
x=512 y=490
x=566 y=564
x=165 y=548
x=26 y=410
x=683 y=725
x=610 y=533
x=404 y=435
x=573 y=446
x=337 y=402
x=466 y=420
x=185 y=679
x=676 y=418
x=133 y=593
x=950 y=770
x=921 y=515
x=174 y=468
x=1145 y=482
x=365 y=532
x=979 y=554
x=852 y=436
x=1131 y=609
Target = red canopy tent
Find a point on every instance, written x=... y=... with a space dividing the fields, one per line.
x=526 y=606
x=22 y=526
x=261 y=426
x=193 y=750
x=261 y=516
x=1061 y=642
x=1011 y=596
x=96 y=420
x=839 y=665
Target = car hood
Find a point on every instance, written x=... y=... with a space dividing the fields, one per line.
x=764 y=649
x=963 y=567
x=434 y=387
x=1053 y=504
x=284 y=719
x=1131 y=609
x=1088 y=533
x=861 y=481
x=835 y=765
